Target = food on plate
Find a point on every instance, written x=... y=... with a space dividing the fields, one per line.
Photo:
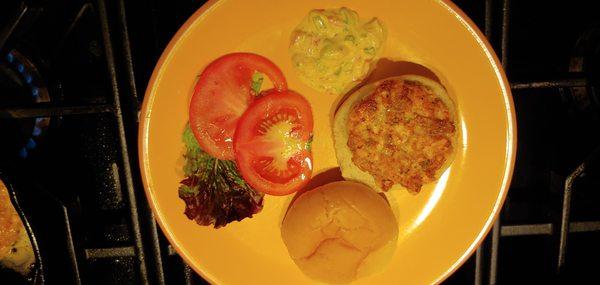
x=16 y=252
x=340 y=231
x=333 y=49
x=399 y=132
x=223 y=92
x=213 y=191
x=272 y=143
x=268 y=133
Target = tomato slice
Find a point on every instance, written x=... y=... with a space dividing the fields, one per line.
x=222 y=94
x=272 y=143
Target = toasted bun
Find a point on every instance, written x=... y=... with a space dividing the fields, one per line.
x=340 y=231
x=351 y=171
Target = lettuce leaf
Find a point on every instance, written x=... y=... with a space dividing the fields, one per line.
x=213 y=190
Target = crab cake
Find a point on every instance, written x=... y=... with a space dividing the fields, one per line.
x=16 y=251
x=399 y=132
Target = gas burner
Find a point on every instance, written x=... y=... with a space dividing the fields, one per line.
x=21 y=84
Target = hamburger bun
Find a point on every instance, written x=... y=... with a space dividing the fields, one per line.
x=340 y=231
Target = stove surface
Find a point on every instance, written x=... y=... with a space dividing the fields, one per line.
x=73 y=73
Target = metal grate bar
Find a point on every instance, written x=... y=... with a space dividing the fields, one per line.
x=135 y=102
x=188 y=274
x=550 y=84
x=505 y=29
x=548 y=229
x=113 y=252
x=128 y=251
x=581 y=227
x=126 y=48
x=478 y=279
x=20 y=20
x=566 y=211
x=50 y=110
x=71 y=246
x=564 y=222
x=504 y=57
x=488 y=19
x=494 y=254
x=526 y=230
x=13 y=22
x=82 y=11
x=133 y=205
x=479 y=265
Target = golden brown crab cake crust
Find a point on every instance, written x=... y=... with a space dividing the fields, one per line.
x=16 y=251
x=402 y=132
x=10 y=223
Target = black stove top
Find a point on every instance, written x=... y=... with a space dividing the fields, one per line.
x=73 y=73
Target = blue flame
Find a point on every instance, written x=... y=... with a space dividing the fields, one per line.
x=23 y=153
x=30 y=144
x=35 y=92
x=36 y=131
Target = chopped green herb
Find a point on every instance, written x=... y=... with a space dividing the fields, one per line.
x=257 y=80
x=319 y=22
x=309 y=143
x=370 y=50
x=338 y=71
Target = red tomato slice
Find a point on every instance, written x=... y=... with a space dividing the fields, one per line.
x=222 y=94
x=271 y=143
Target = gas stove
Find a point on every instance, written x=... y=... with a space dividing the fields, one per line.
x=73 y=73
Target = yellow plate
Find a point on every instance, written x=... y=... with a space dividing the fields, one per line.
x=439 y=228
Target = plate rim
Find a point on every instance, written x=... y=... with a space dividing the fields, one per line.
x=453 y=9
